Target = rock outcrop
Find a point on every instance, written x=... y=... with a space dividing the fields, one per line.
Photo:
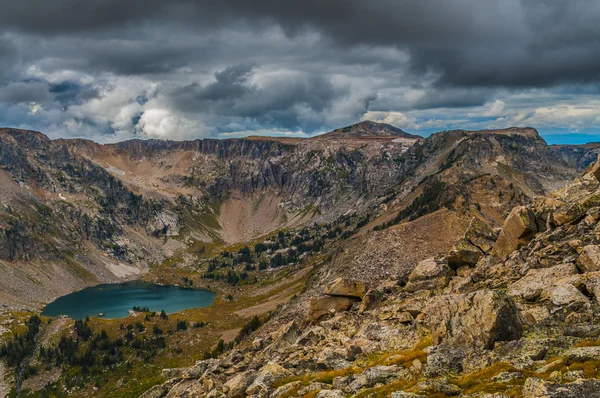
x=475 y=320
x=346 y=288
x=518 y=229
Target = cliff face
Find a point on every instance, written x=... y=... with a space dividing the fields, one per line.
x=111 y=210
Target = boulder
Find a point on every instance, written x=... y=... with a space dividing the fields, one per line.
x=478 y=241
x=429 y=275
x=441 y=386
x=576 y=210
x=286 y=390
x=589 y=259
x=237 y=385
x=536 y=388
x=320 y=306
x=346 y=288
x=370 y=301
x=567 y=295
x=332 y=358
x=444 y=359
x=268 y=374
x=538 y=284
x=582 y=354
x=474 y=320
x=518 y=229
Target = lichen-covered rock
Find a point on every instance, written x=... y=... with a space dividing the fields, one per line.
x=518 y=229
x=478 y=241
x=576 y=210
x=439 y=386
x=565 y=294
x=286 y=389
x=333 y=358
x=403 y=394
x=236 y=386
x=265 y=377
x=429 y=274
x=474 y=320
x=537 y=284
x=536 y=388
x=346 y=288
x=331 y=394
x=581 y=354
x=589 y=259
x=320 y=306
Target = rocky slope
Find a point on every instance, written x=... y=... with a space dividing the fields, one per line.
x=510 y=312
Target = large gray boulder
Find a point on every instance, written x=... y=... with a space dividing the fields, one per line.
x=475 y=320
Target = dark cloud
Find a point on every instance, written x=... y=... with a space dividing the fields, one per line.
x=214 y=65
x=279 y=103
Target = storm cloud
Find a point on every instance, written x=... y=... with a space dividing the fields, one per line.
x=111 y=70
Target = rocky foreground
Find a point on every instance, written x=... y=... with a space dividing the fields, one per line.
x=506 y=313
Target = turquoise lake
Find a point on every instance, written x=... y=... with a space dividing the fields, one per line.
x=115 y=300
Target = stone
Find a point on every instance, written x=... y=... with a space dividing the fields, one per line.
x=268 y=374
x=474 y=320
x=429 y=275
x=332 y=358
x=346 y=288
x=370 y=301
x=505 y=377
x=196 y=371
x=439 y=386
x=286 y=390
x=536 y=388
x=237 y=385
x=589 y=259
x=320 y=306
x=444 y=359
x=576 y=210
x=565 y=294
x=518 y=229
x=331 y=394
x=582 y=354
x=537 y=284
x=415 y=303
x=176 y=373
x=402 y=394
x=479 y=240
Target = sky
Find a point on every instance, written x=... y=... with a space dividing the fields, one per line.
x=112 y=70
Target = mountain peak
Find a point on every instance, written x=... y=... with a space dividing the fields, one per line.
x=368 y=129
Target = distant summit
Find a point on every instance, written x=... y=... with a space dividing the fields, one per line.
x=368 y=129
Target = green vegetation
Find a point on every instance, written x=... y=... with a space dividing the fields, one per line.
x=16 y=351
